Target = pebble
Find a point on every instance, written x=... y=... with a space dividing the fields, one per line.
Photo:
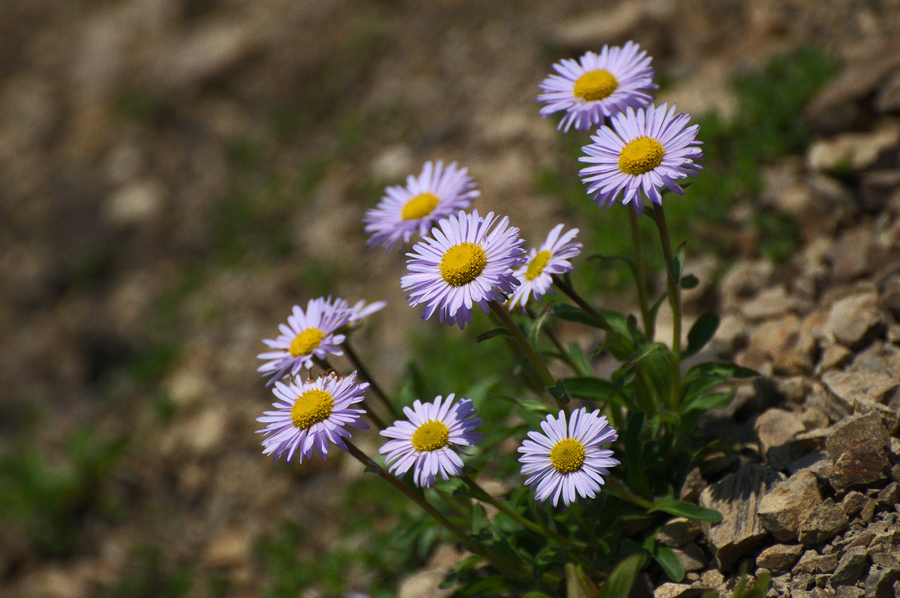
x=783 y=508
x=851 y=566
x=824 y=522
x=779 y=557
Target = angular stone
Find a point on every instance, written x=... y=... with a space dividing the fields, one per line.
x=779 y=557
x=769 y=304
x=860 y=465
x=880 y=582
x=848 y=592
x=853 y=503
x=737 y=497
x=854 y=430
x=813 y=562
x=826 y=521
x=855 y=320
x=783 y=508
x=776 y=427
x=851 y=259
x=851 y=567
x=858 y=150
x=692 y=557
x=676 y=590
x=694 y=484
x=679 y=531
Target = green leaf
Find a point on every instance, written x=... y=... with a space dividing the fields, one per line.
x=492 y=333
x=571 y=313
x=701 y=333
x=713 y=400
x=579 y=585
x=539 y=321
x=620 y=345
x=535 y=595
x=558 y=392
x=669 y=562
x=589 y=388
x=621 y=580
x=648 y=351
x=689 y=281
x=680 y=508
x=634 y=454
x=720 y=369
x=580 y=359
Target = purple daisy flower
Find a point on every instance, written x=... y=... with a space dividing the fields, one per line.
x=361 y=310
x=306 y=335
x=311 y=414
x=598 y=86
x=435 y=194
x=552 y=258
x=468 y=260
x=429 y=441
x=639 y=152
x=566 y=461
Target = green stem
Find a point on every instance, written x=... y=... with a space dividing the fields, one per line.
x=618 y=488
x=640 y=274
x=475 y=546
x=531 y=525
x=523 y=343
x=570 y=292
x=354 y=358
x=675 y=301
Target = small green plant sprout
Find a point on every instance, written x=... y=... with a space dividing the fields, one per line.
x=583 y=469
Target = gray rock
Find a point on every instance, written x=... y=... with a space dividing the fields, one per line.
x=855 y=320
x=779 y=557
x=737 y=497
x=783 y=508
x=777 y=427
x=692 y=557
x=676 y=590
x=853 y=503
x=852 y=431
x=679 y=531
x=849 y=387
x=769 y=304
x=890 y=496
x=851 y=567
x=848 y=592
x=860 y=465
x=880 y=582
x=826 y=521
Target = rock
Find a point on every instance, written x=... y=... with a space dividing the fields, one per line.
x=877 y=188
x=857 y=151
x=691 y=557
x=815 y=462
x=855 y=320
x=889 y=294
x=888 y=98
x=776 y=428
x=783 y=508
x=732 y=333
x=779 y=557
x=848 y=388
x=676 y=590
x=851 y=256
x=613 y=26
x=393 y=163
x=737 y=497
x=834 y=356
x=854 y=430
x=693 y=485
x=229 y=549
x=880 y=582
x=207 y=53
x=868 y=510
x=853 y=503
x=851 y=566
x=744 y=280
x=679 y=531
x=768 y=304
x=860 y=465
x=890 y=496
x=135 y=203
x=848 y=592
x=826 y=521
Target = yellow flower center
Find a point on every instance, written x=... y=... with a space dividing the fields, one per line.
x=567 y=456
x=537 y=265
x=462 y=264
x=306 y=342
x=431 y=436
x=310 y=408
x=641 y=155
x=420 y=206
x=595 y=85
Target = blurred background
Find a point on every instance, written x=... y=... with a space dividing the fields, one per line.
x=176 y=174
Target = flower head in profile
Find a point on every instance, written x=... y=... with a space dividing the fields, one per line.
x=552 y=258
x=598 y=86
x=429 y=440
x=306 y=335
x=311 y=414
x=638 y=154
x=434 y=194
x=361 y=310
x=467 y=260
x=566 y=460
